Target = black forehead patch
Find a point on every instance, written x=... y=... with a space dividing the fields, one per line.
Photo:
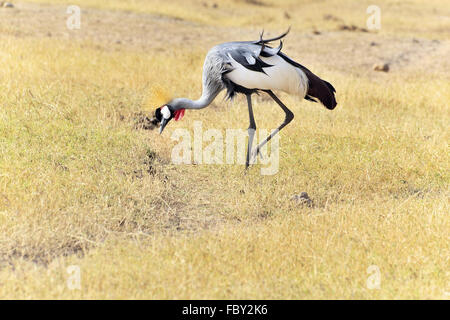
x=158 y=114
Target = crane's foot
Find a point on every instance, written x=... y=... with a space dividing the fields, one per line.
x=250 y=161
x=255 y=154
x=252 y=158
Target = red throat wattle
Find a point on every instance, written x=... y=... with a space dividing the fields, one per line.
x=179 y=114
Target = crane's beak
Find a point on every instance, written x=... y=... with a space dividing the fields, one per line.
x=163 y=125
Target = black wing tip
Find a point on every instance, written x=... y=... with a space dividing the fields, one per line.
x=326 y=97
x=309 y=98
x=329 y=85
x=324 y=92
x=332 y=105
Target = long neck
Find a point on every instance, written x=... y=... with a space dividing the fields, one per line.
x=204 y=101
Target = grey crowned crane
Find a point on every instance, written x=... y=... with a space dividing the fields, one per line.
x=248 y=67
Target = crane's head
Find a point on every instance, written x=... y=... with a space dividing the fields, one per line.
x=166 y=113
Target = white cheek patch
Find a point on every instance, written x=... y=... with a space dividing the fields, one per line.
x=165 y=112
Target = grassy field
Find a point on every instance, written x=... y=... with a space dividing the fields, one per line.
x=81 y=186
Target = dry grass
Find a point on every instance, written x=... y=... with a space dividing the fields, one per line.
x=79 y=185
x=411 y=18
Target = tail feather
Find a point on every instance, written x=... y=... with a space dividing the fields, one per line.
x=317 y=88
x=309 y=98
x=321 y=90
x=330 y=86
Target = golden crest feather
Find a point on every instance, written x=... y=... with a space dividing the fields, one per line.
x=157 y=97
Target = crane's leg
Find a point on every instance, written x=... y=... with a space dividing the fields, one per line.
x=288 y=118
x=251 y=129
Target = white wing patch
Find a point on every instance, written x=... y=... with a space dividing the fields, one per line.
x=280 y=76
x=250 y=59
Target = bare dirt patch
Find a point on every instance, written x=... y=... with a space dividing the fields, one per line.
x=349 y=52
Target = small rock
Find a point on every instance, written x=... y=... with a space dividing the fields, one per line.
x=287 y=15
x=215 y=5
x=316 y=32
x=7 y=5
x=384 y=67
x=303 y=199
x=373 y=44
x=352 y=27
x=256 y=2
x=329 y=17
